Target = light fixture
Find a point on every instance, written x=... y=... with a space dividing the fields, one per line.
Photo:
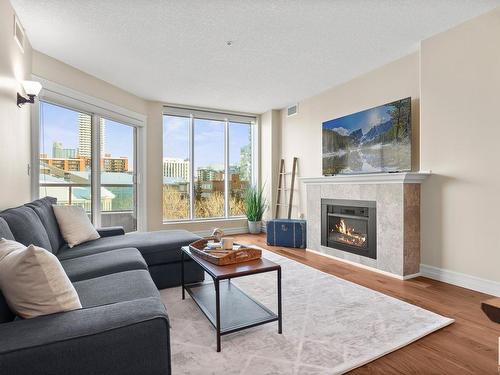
x=32 y=89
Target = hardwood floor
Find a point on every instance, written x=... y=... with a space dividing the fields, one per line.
x=468 y=346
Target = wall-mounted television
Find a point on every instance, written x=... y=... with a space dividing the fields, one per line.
x=371 y=141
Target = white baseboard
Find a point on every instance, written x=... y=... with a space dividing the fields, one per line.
x=234 y=230
x=399 y=277
x=461 y=279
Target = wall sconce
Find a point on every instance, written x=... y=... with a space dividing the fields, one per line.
x=32 y=89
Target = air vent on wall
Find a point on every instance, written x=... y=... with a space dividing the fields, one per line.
x=292 y=110
x=18 y=34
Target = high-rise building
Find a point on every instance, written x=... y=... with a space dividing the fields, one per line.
x=85 y=135
x=59 y=152
x=246 y=163
x=177 y=168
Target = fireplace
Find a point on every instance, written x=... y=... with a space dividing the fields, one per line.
x=349 y=225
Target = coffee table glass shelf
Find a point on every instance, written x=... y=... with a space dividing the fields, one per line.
x=228 y=308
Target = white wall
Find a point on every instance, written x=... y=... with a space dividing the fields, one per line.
x=301 y=133
x=270 y=128
x=56 y=71
x=15 y=66
x=460 y=134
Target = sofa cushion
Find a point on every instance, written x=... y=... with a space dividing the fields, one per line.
x=26 y=227
x=5 y=230
x=108 y=262
x=156 y=247
x=44 y=210
x=117 y=287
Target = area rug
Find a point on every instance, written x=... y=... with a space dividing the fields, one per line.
x=330 y=326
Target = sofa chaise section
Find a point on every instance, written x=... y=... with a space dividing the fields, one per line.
x=160 y=249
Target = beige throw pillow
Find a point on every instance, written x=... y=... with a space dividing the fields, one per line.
x=75 y=225
x=33 y=281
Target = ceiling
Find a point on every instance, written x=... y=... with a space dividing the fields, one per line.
x=281 y=52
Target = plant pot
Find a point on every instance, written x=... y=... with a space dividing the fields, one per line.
x=254 y=227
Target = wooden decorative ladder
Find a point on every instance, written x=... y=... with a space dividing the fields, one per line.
x=282 y=187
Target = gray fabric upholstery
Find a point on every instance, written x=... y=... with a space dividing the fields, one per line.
x=169 y=275
x=6 y=315
x=5 y=230
x=123 y=326
x=106 y=263
x=125 y=338
x=156 y=247
x=110 y=231
x=44 y=210
x=117 y=287
x=26 y=227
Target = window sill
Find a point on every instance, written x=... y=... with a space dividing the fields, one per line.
x=207 y=220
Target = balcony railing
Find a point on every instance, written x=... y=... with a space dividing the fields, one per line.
x=117 y=201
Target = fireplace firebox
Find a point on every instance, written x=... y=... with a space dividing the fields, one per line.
x=349 y=225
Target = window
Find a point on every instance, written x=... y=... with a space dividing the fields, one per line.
x=240 y=165
x=208 y=159
x=207 y=164
x=176 y=172
x=68 y=149
x=65 y=155
x=117 y=168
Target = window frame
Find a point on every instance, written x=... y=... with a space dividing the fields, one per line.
x=226 y=117
x=62 y=96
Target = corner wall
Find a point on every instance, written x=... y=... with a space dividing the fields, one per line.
x=270 y=129
x=460 y=134
x=15 y=134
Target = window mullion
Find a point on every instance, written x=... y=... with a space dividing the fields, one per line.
x=95 y=170
x=191 y=167
x=226 y=169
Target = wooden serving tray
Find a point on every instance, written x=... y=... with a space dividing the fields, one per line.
x=223 y=257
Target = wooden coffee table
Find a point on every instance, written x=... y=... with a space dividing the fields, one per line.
x=226 y=306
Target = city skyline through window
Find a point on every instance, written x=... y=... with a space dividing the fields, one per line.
x=65 y=144
x=207 y=184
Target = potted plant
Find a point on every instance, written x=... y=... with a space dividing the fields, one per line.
x=255 y=205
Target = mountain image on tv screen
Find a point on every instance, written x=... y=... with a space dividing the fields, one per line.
x=374 y=140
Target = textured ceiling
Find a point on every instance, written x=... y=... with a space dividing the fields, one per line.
x=282 y=51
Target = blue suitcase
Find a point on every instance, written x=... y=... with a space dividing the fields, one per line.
x=287 y=233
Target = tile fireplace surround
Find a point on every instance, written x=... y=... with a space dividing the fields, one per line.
x=397 y=197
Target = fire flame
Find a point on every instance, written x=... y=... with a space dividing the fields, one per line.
x=348 y=235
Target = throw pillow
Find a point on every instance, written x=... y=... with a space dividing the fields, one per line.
x=75 y=225
x=33 y=281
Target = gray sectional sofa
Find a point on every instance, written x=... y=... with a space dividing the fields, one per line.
x=123 y=327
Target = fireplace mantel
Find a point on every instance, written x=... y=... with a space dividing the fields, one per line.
x=373 y=178
x=397 y=197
